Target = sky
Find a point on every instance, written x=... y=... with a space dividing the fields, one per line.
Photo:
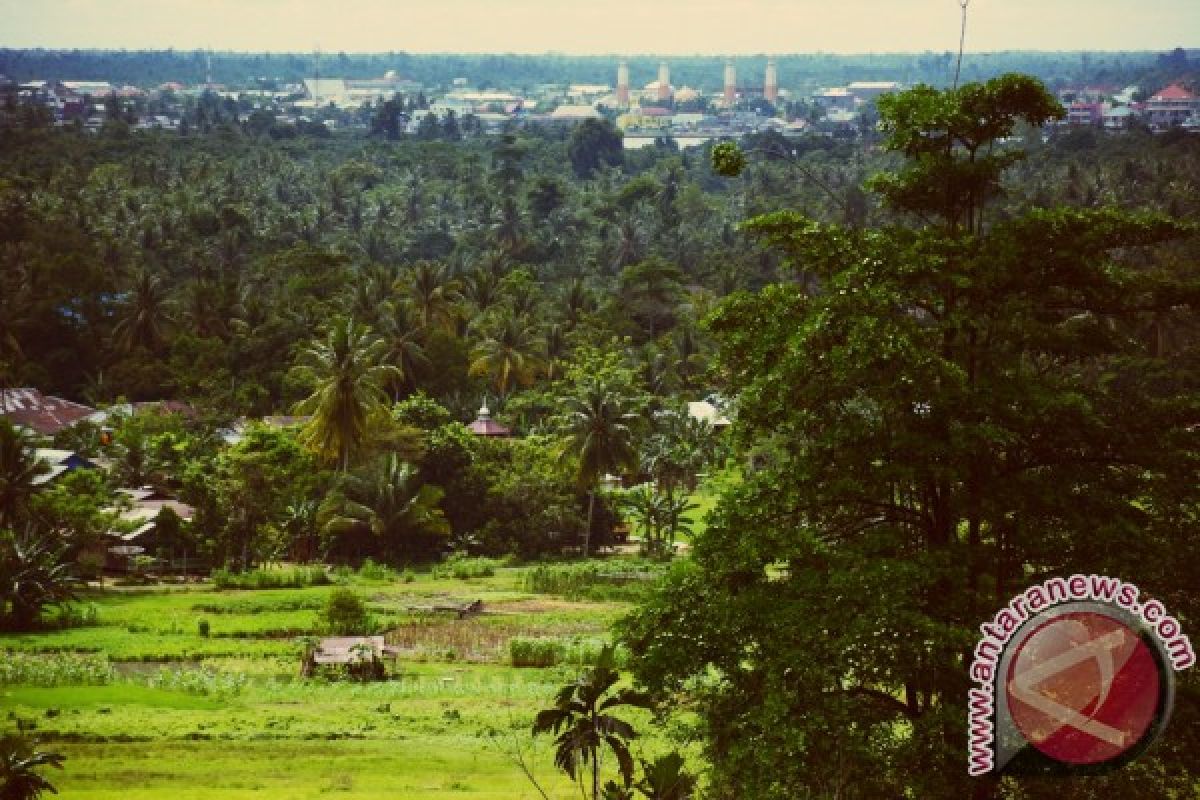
x=725 y=27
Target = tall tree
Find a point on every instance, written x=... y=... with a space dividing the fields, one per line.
x=509 y=353
x=349 y=375
x=599 y=433
x=943 y=412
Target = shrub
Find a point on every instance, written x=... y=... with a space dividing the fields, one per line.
x=550 y=652
x=463 y=568
x=590 y=581
x=203 y=628
x=345 y=614
x=290 y=578
x=373 y=571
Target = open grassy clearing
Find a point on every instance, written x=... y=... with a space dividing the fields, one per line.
x=158 y=708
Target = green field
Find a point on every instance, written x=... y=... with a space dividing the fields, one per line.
x=143 y=705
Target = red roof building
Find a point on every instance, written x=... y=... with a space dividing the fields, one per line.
x=484 y=425
x=43 y=414
x=1172 y=106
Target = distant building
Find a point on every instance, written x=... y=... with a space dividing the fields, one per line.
x=43 y=414
x=834 y=98
x=1171 y=106
x=1119 y=118
x=484 y=425
x=1085 y=114
x=869 y=91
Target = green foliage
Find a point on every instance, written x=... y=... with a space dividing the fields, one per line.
x=583 y=723
x=728 y=159
x=348 y=374
x=19 y=467
x=55 y=669
x=383 y=510
x=33 y=576
x=594 y=580
x=345 y=614
x=942 y=411
x=462 y=567
x=594 y=143
x=20 y=768
x=551 y=652
x=266 y=578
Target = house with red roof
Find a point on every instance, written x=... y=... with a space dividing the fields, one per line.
x=1172 y=106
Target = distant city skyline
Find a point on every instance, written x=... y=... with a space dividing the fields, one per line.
x=666 y=27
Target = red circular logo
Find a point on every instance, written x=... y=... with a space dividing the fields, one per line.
x=1083 y=688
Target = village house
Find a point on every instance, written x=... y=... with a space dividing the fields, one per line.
x=1171 y=106
x=45 y=415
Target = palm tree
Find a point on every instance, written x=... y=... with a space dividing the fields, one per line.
x=349 y=373
x=581 y=721
x=19 y=470
x=599 y=433
x=402 y=337
x=389 y=501
x=432 y=291
x=33 y=575
x=509 y=353
x=143 y=319
x=19 y=765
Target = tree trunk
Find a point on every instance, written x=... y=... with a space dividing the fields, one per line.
x=587 y=534
x=595 y=762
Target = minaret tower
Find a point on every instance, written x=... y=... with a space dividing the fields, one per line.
x=730 y=84
x=623 y=85
x=664 y=81
x=771 y=84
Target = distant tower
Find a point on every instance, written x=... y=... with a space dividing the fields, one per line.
x=664 y=81
x=771 y=84
x=623 y=85
x=730 y=84
x=208 y=69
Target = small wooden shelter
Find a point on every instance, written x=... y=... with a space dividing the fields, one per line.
x=362 y=656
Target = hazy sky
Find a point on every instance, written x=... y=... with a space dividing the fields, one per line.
x=599 y=26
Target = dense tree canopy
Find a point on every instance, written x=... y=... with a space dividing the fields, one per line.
x=943 y=411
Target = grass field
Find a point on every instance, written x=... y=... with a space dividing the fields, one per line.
x=144 y=705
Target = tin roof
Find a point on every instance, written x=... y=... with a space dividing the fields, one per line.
x=44 y=414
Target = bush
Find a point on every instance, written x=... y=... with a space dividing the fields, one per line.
x=345 y=614
x=373 y=571
x=462 y=567
x=290 y=578
x=203 y=628
x=591 y=581
x=549 y=652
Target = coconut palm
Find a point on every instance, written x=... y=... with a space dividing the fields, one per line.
x=509 y=354
x=389 y=501
x=402 y=335
x=349 y=373
x=19 y=470
x=582 y=720
x=599 y=433
x=432 y=292
x=20 y=763
x=143 y=318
